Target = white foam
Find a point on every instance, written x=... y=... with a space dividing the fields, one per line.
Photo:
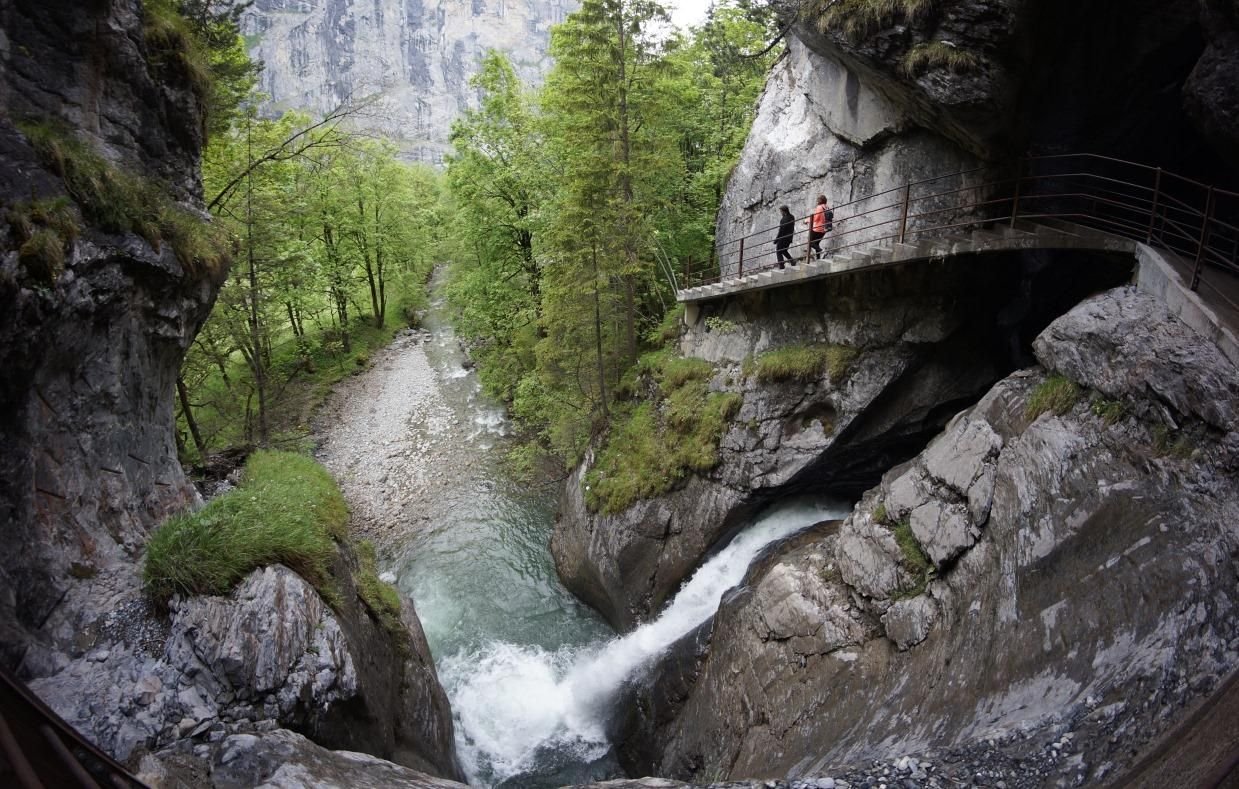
x=513 y=702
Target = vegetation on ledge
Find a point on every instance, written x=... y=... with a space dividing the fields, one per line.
x=937 y=54
x=120 y=202
x=287 y=510
x=805 y=363
x=654 y=444
x=1056 y=394
x=858 y=19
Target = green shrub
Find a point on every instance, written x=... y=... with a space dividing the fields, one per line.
x=669 y=327
x=806 y=363
x=937 y=55
x=43 y=256
x=653 y=445
x=286 y=510
x=1056 y=394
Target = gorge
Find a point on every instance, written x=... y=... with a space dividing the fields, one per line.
x=988 y=533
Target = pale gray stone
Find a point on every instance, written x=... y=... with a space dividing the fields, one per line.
x=942 y=529
x=1126 y=344
x=908 y=622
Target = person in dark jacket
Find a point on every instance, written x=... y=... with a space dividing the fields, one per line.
x=787 y=229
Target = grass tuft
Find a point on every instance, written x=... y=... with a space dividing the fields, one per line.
x=914 y=558
x=43 y=256
x=174 y=45
x=938 y=55
x=287 y=510
x=1056 y=394
x=858 y=19
x=806 y=363
x=653 y=445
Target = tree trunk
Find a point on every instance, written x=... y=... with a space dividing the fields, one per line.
x=188 y=412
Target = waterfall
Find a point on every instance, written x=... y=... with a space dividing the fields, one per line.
x=521 y=708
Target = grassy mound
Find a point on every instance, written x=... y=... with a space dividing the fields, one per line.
x=287 y=510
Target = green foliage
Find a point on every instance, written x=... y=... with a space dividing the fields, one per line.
x=382 y=600
x=858 y=19
x=806 y=363
x=119 y=202
x=721 y=325
x=1055 y=394
x=287 y=510
x=596 y=193
x=198 y=42
x=937 y=55
x=653 y=445
x=1110 y=411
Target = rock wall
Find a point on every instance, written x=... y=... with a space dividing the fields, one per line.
x=87 y=454
x=1081 y=590
x=926 y=341
x=843 y=114
x=418 y=55
x=88 y=461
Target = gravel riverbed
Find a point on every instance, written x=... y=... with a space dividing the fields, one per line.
x=391 y=440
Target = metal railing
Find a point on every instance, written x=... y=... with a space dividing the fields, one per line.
x=1195 y=221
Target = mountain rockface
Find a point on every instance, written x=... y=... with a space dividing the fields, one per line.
x=417 y=55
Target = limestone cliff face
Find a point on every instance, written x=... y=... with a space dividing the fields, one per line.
x=90 y=354
x=1082 y=577
x=418 y=54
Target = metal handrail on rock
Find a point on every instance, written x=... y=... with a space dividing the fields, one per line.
x=1112 y=197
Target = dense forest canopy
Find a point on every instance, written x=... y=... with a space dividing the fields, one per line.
x=565 y=216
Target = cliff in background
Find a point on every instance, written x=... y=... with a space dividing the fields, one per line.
x=418 y=55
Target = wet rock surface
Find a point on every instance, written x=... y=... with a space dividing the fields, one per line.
x=1092 y=607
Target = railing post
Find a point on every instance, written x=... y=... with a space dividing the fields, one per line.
x=1157 y=193
x=1015 y=201
x=903 y=216
x=740 y=270
x=1204 y=239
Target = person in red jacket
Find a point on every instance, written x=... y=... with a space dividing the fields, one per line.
x=820 y=223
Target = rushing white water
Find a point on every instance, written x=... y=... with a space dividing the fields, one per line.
x=521 y=707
